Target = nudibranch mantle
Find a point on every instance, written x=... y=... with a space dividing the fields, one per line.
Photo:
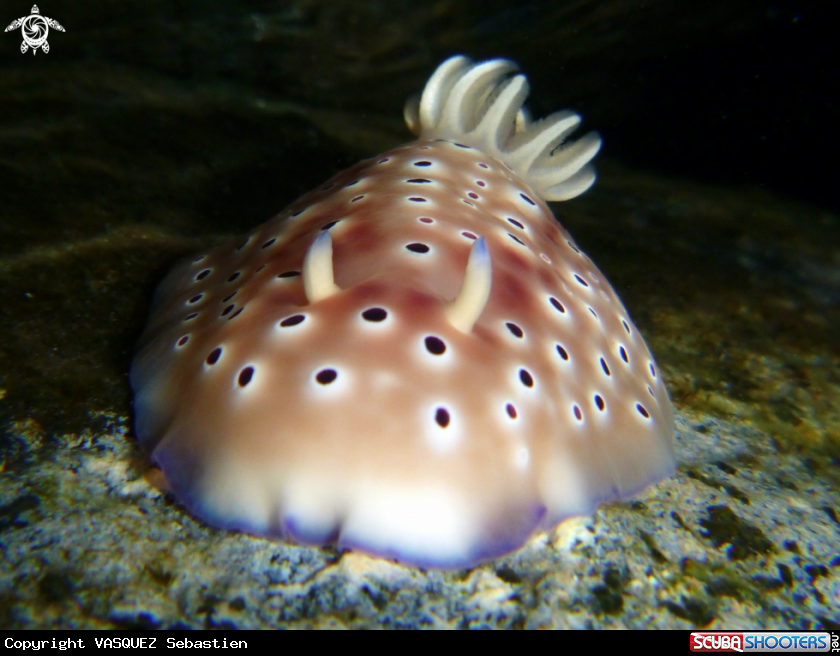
x=414 y=360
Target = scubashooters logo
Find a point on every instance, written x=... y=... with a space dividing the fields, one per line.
x=754 y=641
x=35 y=29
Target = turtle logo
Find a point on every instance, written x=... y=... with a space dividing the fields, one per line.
x=35 y=29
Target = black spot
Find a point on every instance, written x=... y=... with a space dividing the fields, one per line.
x=195 y=299
x=229 y=296
x=605 y=367
x=642 y=411
x=214 y=356
x=473 y=195
x=435 y=345
x=652 y=370
x=578 y=413
x=623 y=352
x=352 y=184
x=592 y=312
x=466 y=202
x=418 y=248
x=481 y=183
x=382 y=161
x=228 y=309
x=328 y=226
x=326 y=376
x=516 y=223
x=527 y=200
x=442 y=417
x=203 y=274
x=511 y=410
x=483 y=165
x=357 y=198
x=233 y=276
x=526 y=378
x=293 y=320
x=462 y=146
x=581 y=280
x=299 y=212
x=244 y=244
x=572 y=246
x=183 y=340
x=469 y=235
x=516 y=239
x=245 y=376
x=426 y=219
x=557 y=304
x=417 y=199
x=289 y=274
x=374 y=314
x=600 y=402
x=190 y=316
x=650 y=391
x=236 y=314
x=268 y=243
x=563 y=352
x=198 y=259
x=423 y=163
x=419 y=181
x=515 y=330
x=626 y=327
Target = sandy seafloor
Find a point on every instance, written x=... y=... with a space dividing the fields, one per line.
x=110 y=172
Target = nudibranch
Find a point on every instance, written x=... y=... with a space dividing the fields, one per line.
x=415 y=359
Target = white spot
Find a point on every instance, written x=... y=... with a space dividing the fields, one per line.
x=522 y=457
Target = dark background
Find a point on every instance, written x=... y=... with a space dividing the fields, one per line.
x=740 y=92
